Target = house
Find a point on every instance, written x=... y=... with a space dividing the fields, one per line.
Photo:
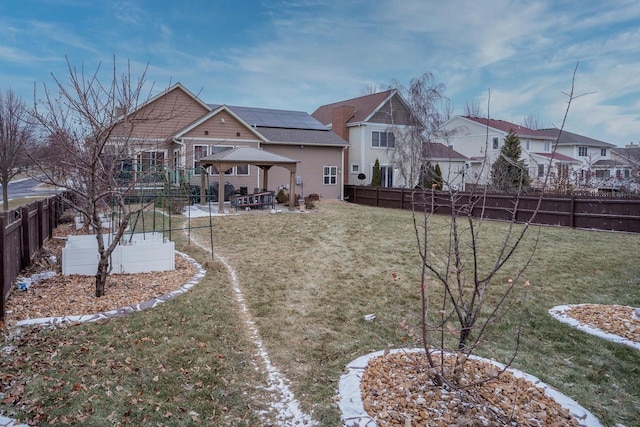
x=569 y=162
x=373 y=124
x=175 y=129
x=365 y=123
x=629 y=156
x=599 y=166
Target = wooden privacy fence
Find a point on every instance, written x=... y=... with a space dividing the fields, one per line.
x=588 y=212
x=24 y=231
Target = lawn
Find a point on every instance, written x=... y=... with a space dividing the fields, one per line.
x=308 y=281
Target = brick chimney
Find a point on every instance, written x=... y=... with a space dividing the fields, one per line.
x=339 y=117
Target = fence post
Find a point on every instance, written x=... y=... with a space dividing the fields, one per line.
x=40 y=224
x=2 y=269
x=377 y=197
x=52 y=215
x=572 y=214
x=26 y=241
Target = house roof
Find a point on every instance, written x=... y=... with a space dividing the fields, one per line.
x=504 y=126
x=212 y=113
x=569 y=138
x=255 y=156
x=365 y=106
x=296 y=136
x=285 y=126
x=631 y=154
x=271 y=118
x=557 y=156
x=606 y=163
x=437 y=150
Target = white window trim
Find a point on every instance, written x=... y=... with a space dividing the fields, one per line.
x=196 y=170
x=355 y=168
x=329 y=175
x=378 y=147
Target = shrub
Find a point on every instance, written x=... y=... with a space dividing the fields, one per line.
x=282 y=197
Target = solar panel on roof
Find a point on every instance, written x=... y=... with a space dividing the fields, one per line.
x=277 y=118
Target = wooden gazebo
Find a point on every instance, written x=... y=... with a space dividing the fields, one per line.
x=227 y=159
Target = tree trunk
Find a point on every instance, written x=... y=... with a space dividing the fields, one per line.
x=101 y=276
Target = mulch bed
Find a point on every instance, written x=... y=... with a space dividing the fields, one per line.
x=75 y=294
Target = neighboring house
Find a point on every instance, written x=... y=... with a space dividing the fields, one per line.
x=561 y=165
x=455 y=167
x=175 y=129
x=600 y=167
x=365 y=122
x=629 y=156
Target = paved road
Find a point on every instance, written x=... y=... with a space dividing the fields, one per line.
x=26 y=188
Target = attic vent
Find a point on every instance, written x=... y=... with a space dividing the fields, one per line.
x=237 y=133
x=206 y=132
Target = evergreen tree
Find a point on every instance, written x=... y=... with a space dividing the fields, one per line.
x=509 y=173
x=376 y=177
x=427 y=176
x=438 y=177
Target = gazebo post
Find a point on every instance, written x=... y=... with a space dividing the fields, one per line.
x=220 y=189
x=265 y=178
x=203 y=191
x=292 y=191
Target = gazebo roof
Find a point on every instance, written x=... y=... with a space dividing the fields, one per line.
x=241 y=155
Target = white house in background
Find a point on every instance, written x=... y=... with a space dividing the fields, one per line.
x=602 y=165
x=455 y=167
x=481 y=139
x=367 y=123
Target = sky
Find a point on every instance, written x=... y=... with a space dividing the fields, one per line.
x=513 y=58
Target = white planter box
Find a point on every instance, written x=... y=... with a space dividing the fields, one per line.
x=138 y=253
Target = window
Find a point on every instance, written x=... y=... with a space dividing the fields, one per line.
x=496 y=143
x=606 y=173
x=547 y=146
x=540 y=171
x=355 y=168
x=242 y=169
x=382 y=139
x=582 y=151
x=199 y=151
x=603 y=152
x=627 y=173
x=528 y=144
x=330 y=175
x=150 y=165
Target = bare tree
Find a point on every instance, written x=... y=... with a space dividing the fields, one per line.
x=16 y=138
x=473 y=109
x=89 y=132
x=467 y=286
x=428 y=108
x=369 y=89
x=532 y=121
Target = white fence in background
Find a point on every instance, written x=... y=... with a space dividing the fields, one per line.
x=137 y=253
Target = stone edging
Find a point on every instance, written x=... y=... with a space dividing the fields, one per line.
x=150 y=303
x=354 y=415
x=559 y=312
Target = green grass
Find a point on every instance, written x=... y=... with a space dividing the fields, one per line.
x=308 y=281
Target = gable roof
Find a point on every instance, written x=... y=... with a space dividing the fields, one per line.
x=569 y=138
x=629 y=153
x=438 y=150
x=255 y=156
x=177 y=86
x=506 y=127
x=365 y=107
x=558 y=156
x=211 y=114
